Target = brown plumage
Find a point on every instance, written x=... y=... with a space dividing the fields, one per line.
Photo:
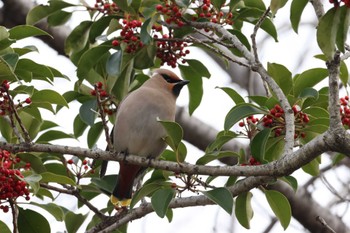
x=137 y=130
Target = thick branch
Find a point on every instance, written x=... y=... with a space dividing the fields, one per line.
x=116 y=221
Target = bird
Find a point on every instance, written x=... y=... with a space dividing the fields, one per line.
x=137 y=130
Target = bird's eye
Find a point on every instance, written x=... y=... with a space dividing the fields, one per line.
x=169 y=79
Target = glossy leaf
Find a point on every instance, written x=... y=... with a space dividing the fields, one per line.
x=233 y=94
x=312 y=168
x=105 y=183
x=308 y=92
x=243 y=209
x=343 y=27
x=78 y=38
x=23 y=31
x=41 y=11
x=291 y=181
x=4 y=228
x=221 y=138
x=51 y=177
x=275 y=5
x=90 y=58
x=28 y=70
x=87 y=111
x=53 y=135
x=49 y=96
x=207 y=158
x=6 y=71
x=309 y=78
x=94 y=134
x=28 y=222
x=144 y=191
x=161 y=199
x=280 y=206
x=33 y=180
x=281 y=75
x=222 y=197
x=296 y=10
x=174 y=131
x=239 y=112
x=258 y=144
x=74 y=221
x=275 y=148
x=327 y=32
x=114 y=63
x=55 y=210
x=35 y=162
x=79 y=126
x=58 y=18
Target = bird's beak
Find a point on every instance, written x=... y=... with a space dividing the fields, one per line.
x=182 y=83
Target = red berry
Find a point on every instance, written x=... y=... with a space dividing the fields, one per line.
x=115 y=43
x=159 y=7
x=70 y=161
x=241 y=124
x=28 y=100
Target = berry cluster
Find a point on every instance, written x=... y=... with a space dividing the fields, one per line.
x=171 y=13
x=170 y=51
x=80 y=170
x=105 y=7
x=345 y=111
x=130 y=35
x=251 y=162
x=207 y=11
x=104 y=98
x=275 y=120
x=5 y=107
x=12 y=184
x=336 y=3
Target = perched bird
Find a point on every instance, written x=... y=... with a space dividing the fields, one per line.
x=137 y=130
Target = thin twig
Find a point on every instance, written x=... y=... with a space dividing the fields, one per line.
x=15 y=113
x=76 y=193
x=255 y=31
x=103 y=118
x=324 y=223
x=14 y=210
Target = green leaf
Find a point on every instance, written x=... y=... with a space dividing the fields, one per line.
x=291 y=181
x=258 y=144
x=114 y=63
x=28 y=70
x=105 y=183
x=87 y=111
x=296 y=10
x=280 y=206
x=6 y=71
x=243 y=209
x=194 y=73
x=312 y=168
x=207 y=158
x=237 y=98
x=24 y=31
x=39 y=12
x=222 y=197
x=51 y=177
x=79 y=126
x=275 y=5
x=74 y=221
x=308 y=92
x=218 y=3
x=309 y=78
x=327 y=32
x=49 y=96
x=343 y=28
x=28 y=222
x=275 y=148
x=4 y=228
x=58 y=18
x=33 y=180
x=35 y=162
x=90 y=58
x=281 y=75
x=161 y=199
x=5 y=41
x=145 y=57
x=55 y=210
x=221 y=138
x=174 y=131
x=239 y=112
x=144 y=191
x=53 y=135
x=94 y=134
x=99 y=26
x=77 y=39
